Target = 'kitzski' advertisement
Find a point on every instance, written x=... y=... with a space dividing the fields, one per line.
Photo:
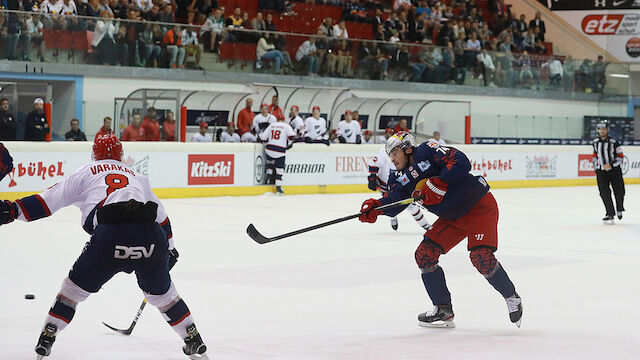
x=210 y=169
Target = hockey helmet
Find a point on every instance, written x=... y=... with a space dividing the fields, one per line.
x=400 y=139
x=107 y=147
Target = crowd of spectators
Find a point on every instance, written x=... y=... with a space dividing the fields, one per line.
x=413 y=40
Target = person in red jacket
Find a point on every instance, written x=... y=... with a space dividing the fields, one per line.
x=402 y=126
x=106 y=127
x=151 y=125
x=275 y=110
x=134 y=132
x=245 y=122
x=169 y=127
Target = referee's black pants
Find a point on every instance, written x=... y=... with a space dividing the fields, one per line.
x=613 y=177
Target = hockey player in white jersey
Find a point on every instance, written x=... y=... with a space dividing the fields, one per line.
x=349 y=131
x=130 y=231
x=278 y=137
x=380 y=167
x=261 y=121
x=315 y=128
x=296 y=122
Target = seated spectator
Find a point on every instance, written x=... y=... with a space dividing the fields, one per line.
x=326 y=27
x=206 y=7
x=153 y=14
x=189 y=38
x=472 y=50
x=424 y=67
x=400 y=5
x=122 y=47
x=234 y=22
x=75 y=134
x=267 y=51
x=540 y=47
x=436 y=138
x=166 y=16
x=103 y=39
x=150 y=44
x=402 y=126
x=169 y=127
x=322 y=46
x=230 y=135
x=34 y=30
x=143 y=5
x=339 y=63
x=151 y=125
x=487 y=68
x=202 y=135
x=506 y=45
x=527 y=72
x=367 y=59
x=456 y=74
x=258 y=24
x=134 y=132
x=340 y=30
x=173 y=44
x=268 y=22
x=307 y=55
x=529 y=41
x=568 y=73
x=555 y=72
x=245 y=122
x=68 y=8
x=213 y=31
x=106 y=127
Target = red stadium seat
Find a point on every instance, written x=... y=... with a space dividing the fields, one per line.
x=80 y=41
x=50 y=38
x=226 y=51
x=65 y=40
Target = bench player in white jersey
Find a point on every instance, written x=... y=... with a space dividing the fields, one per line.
x=262 y=120
x=296 y=122
x=315 y=128
x=349 y=131
x=130 y=231
x=380 y=167
x=278 y=137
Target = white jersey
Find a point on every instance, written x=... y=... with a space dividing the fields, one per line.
x=197 y=137
x=315 y=128
x=349 y=131
x=278 y=136
x=365 y=141
x=382 y=139
x=259 y=119
x=89 y=188
x=441 y=141
x=382 y=166
x=226 y=137
x=298 y=126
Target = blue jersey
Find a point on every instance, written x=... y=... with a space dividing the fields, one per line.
x=451 y=166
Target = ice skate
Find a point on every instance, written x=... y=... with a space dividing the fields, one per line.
x=48 y=336
x=394 y=224
x=279 y=190
x=608 y=220
x=440 y=316
x=619 y=213
x=194 y=347
x=514 y=304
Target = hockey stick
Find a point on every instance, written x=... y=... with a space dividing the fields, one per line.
x=261 y=239
x=128 y=331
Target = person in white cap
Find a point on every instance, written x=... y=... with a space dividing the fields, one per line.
x=36 y=123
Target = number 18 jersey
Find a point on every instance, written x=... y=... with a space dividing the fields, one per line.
x=277 y=135
x=89 y=188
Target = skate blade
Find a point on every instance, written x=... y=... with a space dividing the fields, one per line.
x=199 y=357
x=609 y=222
x=438 y=325
x=518 y=323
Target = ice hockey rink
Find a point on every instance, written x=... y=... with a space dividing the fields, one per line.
x=349 y=291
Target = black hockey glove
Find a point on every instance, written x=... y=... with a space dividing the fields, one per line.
x=6 y=162
x=173 y=257
x=263 y=125
x=358 y=140
x=8 y=211
x=342 y=139
x=373 y=182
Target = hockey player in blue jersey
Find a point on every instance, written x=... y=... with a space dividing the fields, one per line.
x=465 y=208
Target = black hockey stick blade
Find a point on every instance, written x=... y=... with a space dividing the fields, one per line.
x=128 y=331
x=261 y=239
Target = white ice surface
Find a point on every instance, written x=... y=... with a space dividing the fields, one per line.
x=350 y=291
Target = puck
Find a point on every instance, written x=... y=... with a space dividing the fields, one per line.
x=29 y=296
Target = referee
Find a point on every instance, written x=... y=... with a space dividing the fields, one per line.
x=607 y=158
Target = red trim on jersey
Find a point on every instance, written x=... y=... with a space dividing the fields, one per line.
x=165 y=222
x=24 y=210
x=182 y=318
x=621 y=155
x=44 y=204
x=59 y=317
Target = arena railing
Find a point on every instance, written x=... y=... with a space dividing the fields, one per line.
x=80 y=40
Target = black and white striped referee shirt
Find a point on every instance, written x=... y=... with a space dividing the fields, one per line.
x=607 y=151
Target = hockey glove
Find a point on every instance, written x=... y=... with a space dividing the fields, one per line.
x=6 y=162
x=433 y=191
x=373 y=182
x=173 y=257
x=8 y=211
x=369 y=212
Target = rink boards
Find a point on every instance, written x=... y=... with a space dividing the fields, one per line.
x=178 y=170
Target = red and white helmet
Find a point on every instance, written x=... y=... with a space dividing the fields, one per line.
x=400 y=139
x=107 y=147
